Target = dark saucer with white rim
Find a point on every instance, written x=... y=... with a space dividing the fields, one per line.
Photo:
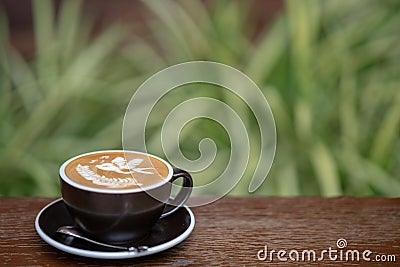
x=168 y=232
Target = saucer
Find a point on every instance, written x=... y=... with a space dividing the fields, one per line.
x=168 y=232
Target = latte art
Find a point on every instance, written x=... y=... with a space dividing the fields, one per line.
x=90 y=175
x=120 y=165
x=116 y=170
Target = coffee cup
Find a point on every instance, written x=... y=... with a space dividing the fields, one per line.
x=117 y=196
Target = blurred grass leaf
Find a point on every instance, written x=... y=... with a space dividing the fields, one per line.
x=329 y=69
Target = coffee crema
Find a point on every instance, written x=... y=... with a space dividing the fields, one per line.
x=116 y=170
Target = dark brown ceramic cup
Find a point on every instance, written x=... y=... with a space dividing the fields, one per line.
x=122 y=215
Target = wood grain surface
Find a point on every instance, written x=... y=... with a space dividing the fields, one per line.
x=231 y=232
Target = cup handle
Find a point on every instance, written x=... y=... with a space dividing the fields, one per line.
x=183 y=194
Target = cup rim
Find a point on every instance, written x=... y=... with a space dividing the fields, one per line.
x=74 y=184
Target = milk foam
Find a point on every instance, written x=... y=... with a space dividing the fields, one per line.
x=118 y=166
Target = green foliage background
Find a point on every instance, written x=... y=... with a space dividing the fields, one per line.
x=329 y=69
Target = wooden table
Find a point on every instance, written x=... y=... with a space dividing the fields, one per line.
x=234 y=232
